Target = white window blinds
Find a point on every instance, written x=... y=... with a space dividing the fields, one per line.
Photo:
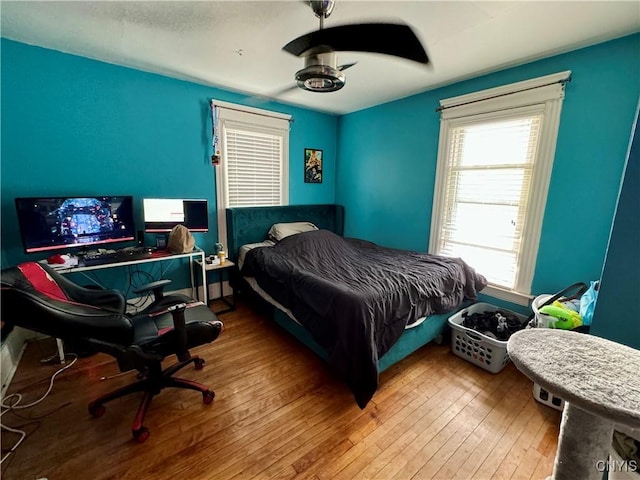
x=254 y=156
x=494 y=164
x=486 y=194
x=254 y=167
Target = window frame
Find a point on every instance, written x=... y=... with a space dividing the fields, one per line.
x=543 y=95
x=252 y=120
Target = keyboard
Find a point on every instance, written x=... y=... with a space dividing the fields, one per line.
x=126 y=255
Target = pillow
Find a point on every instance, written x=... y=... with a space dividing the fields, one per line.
x=278 y=231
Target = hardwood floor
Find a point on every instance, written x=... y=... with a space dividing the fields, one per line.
x=279 y=413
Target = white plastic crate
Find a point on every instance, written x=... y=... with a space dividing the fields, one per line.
x=477 y=348
x=542 y=320
x=547 y=398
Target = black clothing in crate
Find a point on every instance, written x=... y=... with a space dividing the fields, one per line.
x=499 y=324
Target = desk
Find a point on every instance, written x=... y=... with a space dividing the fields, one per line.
x=599 y=382
x=196 y=256
x=207 y=267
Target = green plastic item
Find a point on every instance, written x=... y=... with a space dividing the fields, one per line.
x=567 y=319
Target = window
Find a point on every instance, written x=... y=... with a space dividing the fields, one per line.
x=254 y=158
x=495 y=156
x=254 y=164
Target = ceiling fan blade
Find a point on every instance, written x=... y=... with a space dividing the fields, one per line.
x=389 y=38
x=282 y=91
x=261 y=99
x=346 y=65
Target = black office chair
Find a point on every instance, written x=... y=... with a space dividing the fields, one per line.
x=36 y=297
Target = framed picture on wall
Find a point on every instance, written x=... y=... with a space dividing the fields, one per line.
x=312 y=165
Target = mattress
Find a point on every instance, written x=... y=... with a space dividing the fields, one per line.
x=251 y=281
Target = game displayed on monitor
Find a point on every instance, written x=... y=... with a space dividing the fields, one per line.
x=50 y=223
x=162 y=214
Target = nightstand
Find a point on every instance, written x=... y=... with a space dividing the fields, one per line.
x=220 y=269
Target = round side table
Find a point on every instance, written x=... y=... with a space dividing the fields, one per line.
x=598 y=379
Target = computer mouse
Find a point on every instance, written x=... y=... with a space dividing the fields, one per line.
x=57 y=258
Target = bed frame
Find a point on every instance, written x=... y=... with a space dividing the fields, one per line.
x=251 y=224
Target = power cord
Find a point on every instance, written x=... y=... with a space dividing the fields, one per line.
x=137 y=273
x=15 y=405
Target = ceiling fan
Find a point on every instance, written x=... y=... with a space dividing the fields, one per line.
x=321 y=72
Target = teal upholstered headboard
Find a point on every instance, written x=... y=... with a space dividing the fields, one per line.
x=251 y=224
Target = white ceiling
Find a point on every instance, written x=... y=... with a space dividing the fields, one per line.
x=238 y=44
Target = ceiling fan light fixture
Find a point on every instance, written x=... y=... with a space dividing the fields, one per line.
x=320 y=78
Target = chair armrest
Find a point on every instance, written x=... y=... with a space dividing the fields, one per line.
x=156 y=287
x=179 y=326
x=175 y=307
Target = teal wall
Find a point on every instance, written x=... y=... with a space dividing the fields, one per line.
x=387 y=161
x=74 y=126
x=617 y=313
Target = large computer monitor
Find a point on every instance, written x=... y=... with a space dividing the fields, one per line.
x=162 y=214
x=51 y=223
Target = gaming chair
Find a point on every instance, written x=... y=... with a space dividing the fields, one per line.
x=38 y=298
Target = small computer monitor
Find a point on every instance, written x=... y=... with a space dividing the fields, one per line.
x=162 y=214
x=53 y=223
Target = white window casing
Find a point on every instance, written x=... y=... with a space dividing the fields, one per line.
x=254 y=161
x=495 y=157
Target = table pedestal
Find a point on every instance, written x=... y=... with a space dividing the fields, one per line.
x=583 y=445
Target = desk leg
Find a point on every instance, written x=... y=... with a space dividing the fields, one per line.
x=205 y=293
x=583 y=445
x=195 y=289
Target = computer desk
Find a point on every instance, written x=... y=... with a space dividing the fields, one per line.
x=196 y=257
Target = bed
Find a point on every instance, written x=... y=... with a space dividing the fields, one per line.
x=312 y=282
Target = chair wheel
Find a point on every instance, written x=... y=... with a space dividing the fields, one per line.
x=140 y=435
x=208 y=396
x=96 y=411
x=199 y=363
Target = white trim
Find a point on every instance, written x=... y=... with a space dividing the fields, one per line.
x=507 y=295
x=542 y=95
x=438 y=193
x=250 y=119
x=220 y=204
x=530 y=89
x=538 y=195
x=244 y=108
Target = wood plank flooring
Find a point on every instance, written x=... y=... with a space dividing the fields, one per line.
x=279 y=413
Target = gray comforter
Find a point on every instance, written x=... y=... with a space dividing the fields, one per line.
x=355 y=297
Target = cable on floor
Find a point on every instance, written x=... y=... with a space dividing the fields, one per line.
x=15 y=405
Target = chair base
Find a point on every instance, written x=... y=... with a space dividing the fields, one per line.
x=155 y=380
